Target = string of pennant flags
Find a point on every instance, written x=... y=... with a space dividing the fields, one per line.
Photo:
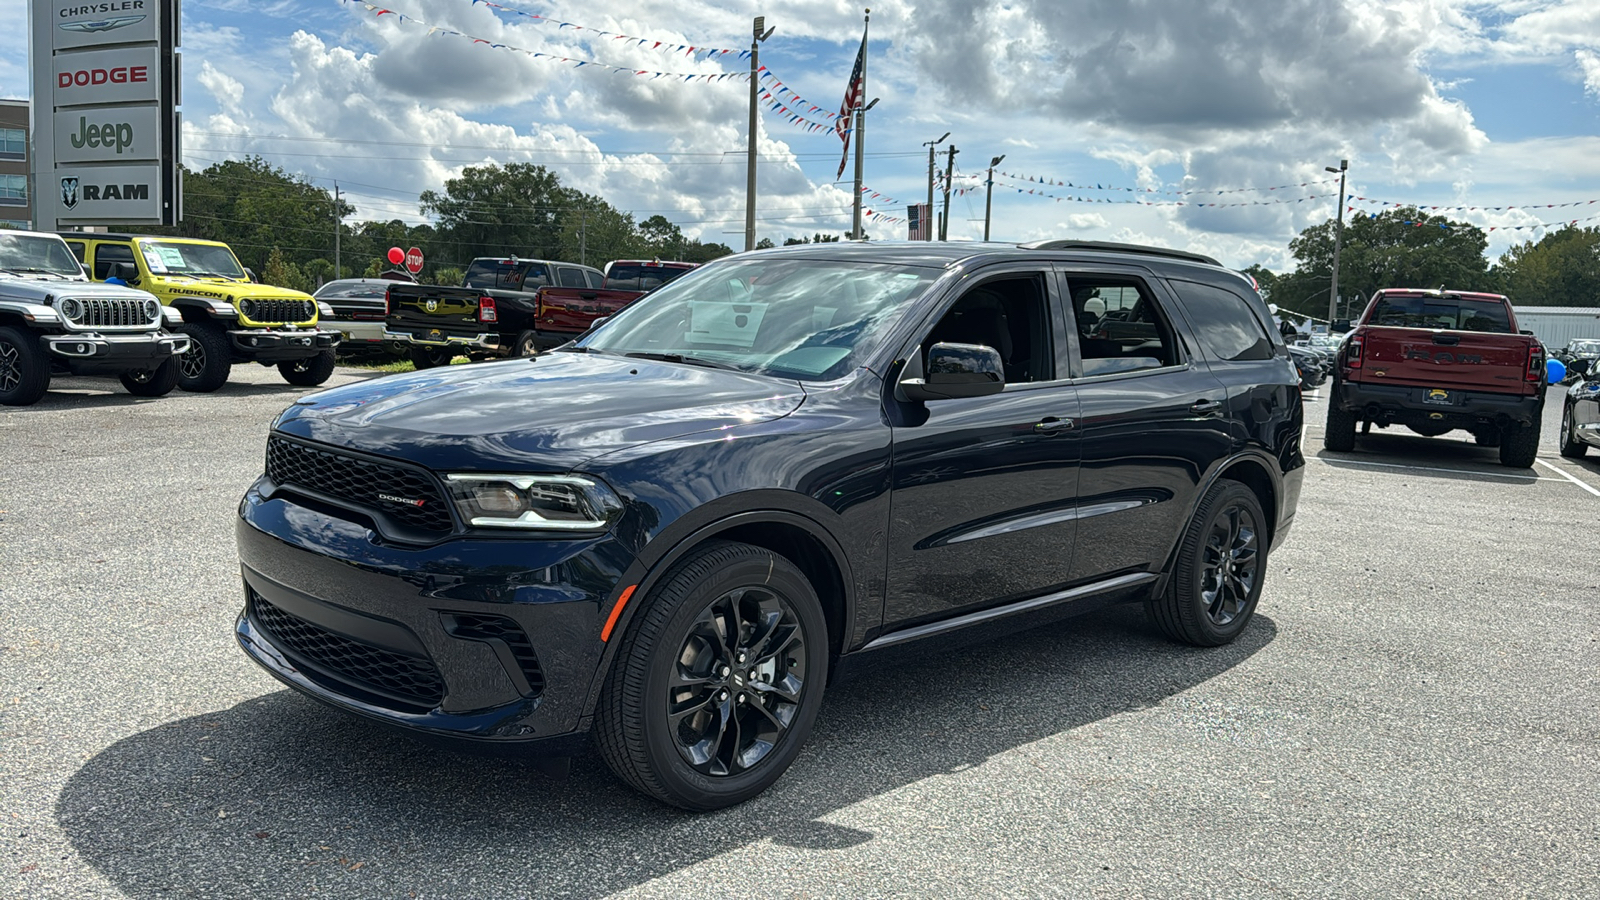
x=692 y=51
x=1449 y=225
x=1520 y=207
x=1048 y=182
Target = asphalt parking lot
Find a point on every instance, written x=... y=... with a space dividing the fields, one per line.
x=1413 y=713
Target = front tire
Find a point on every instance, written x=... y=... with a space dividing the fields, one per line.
x=157 y=382
x=1340 y=435
x=1519 y=448
x=1571 y=447
x=718 y=680
x=1212 y=591
x=308 y=372
x=24 y=370
x=205 y=365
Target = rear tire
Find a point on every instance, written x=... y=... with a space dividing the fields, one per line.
x=24 y=370
x=1518 y=449
x=1340 y=435
x=1213 y=588
x=1571 y=447
x=205 y=365
x=718 y=680
x=157 y=382
x=308 y=372
x=430 y=357
x=527 y=343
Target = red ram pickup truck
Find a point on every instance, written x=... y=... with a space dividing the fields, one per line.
x=1435 y=361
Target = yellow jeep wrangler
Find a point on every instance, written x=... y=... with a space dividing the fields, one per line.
x=227 y=316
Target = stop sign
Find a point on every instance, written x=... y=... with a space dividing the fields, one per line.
x=413 y=260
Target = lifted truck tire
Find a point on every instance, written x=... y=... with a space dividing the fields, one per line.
x=1519 y=448
x=1571 y=447
x=205 y=365
x=308 y=372
x=1340 y=435
x=157 y=382
x=430 y=357
x=24 y=371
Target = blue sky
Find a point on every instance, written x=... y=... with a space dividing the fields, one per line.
x=1440 y=102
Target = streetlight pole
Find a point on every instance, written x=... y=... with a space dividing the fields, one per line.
x=930 y=145
x=750 y=171
x=949 y=172
x=988 y=195
x=1338 y=238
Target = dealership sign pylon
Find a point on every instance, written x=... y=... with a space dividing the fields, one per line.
x=106 y=135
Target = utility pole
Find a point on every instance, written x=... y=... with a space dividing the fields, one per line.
x=338 y=226
x=930 y=145
x=949 y=172
x=1338 y=238
x=861 y=128
x=988 y=196
x=750 y=166
x=583 y=240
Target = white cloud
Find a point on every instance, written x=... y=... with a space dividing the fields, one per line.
x=226 y=89
x=1590 y=62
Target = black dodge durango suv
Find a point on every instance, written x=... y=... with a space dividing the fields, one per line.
x=670 y=532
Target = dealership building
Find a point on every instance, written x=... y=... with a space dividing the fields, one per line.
x=16 y=204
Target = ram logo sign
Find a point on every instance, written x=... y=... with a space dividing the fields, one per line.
x=69 y=192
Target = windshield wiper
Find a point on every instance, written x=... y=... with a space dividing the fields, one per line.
x=209 y=275
x=688 y=360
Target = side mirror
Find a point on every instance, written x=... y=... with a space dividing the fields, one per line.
x=955 y=370
x=250 y=274
x=1526 y=332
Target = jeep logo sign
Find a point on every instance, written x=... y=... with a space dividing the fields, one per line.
x=108 y=134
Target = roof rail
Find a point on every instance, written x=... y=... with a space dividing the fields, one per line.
x=1119 y=248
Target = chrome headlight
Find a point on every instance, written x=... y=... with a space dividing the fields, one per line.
x=152 y=309
x=534 y=502
x=248 y=307
x=71 y=308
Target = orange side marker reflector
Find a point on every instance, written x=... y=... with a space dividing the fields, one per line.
x=616 y=611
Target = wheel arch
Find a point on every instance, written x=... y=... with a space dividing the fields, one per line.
x=796 y=537
x=1253 y=470
x=193 y=309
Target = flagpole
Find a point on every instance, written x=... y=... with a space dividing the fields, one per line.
x=861 y=127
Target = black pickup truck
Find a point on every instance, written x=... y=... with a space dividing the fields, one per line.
x=433 y=324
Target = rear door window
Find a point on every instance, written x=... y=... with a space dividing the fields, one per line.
x=509 y=275
x=1120 y=325
x=595 y=279
x=570 y=276
x=1452 y=313
x=1223 y=322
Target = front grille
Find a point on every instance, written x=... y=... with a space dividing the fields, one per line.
x=112 y=313
x=360 y=481
x=278 y=310
x=491 y=628
x=384 y=672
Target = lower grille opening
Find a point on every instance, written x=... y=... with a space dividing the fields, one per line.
x=499 y=629
x=384 y=673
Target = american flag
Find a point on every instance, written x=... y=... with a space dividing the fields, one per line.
x=917 y=224
x=852 y=98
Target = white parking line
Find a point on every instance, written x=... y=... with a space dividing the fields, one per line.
x=1362 y=462
x=1586 y=486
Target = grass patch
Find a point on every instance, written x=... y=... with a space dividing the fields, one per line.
x=387 y=367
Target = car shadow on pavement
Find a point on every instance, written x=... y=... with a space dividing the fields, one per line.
x=1419 y=454
x=282 y=797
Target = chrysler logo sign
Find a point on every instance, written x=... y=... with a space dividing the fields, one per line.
x=103 y=25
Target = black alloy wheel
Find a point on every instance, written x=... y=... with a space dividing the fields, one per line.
x=1571 y=446
x=1213 y=589
x=308 y=372
x=24 y=370
x=718 y=679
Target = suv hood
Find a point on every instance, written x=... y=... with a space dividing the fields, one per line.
x=550 y=413
x=34 y=289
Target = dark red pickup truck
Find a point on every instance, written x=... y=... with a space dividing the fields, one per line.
x=1436 y=361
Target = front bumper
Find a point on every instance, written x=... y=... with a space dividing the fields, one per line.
x=474 y=641
x=92 y=350
x=440 y=339
x=272 y=346
x=1405 y=403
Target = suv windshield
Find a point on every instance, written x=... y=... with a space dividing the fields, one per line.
x=34 y=254
x=168 y=258
x=1453 y=313
x=506 y=274
x=641 y=277
x=1584 y=347
x=807 y=319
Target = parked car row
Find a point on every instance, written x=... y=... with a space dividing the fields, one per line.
x=1579 y=357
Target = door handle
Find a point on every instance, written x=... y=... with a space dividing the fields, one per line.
x=1052 y=425
x=1206 y=407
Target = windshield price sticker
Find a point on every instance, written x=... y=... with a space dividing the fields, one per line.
x=153 y=261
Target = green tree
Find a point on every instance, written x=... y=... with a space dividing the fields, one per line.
x=256 y=207
x=1560 y=269
x=498 y=210
x=449 y=276
x=1397 y=248
x=279 y=271
x=594 y=232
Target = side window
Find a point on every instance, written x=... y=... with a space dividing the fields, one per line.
x=1223 y=322
x=77 y=248
x=595 y=279
x=108 y=255
x=570 y=276
x=1121 y=327
x=1012 y=315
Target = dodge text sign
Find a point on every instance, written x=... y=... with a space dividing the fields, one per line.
x=107 y=76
